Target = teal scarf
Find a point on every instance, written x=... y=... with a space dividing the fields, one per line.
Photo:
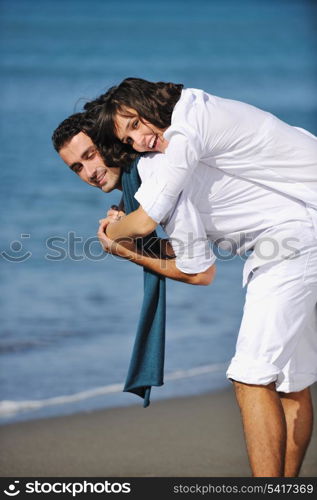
x=147 y=360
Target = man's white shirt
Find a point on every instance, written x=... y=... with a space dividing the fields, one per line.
x=235 y=214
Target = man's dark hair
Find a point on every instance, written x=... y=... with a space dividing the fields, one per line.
x=153 y=101
x=66 y=130
x=114 y=155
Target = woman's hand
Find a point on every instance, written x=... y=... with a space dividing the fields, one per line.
x=134 y=225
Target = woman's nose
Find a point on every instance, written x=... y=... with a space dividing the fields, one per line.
x=137 y=138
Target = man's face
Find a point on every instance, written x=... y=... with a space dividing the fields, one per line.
x=82 y=156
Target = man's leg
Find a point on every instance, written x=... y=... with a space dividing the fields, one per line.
x=298 y=411
x=264 y=427
x=277 y=341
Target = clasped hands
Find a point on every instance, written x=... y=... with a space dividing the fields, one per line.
x=109 y=245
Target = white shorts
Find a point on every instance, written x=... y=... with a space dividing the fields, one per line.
x=277 y=340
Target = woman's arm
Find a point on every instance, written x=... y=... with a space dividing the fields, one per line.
x=156 y=246
x=136 y=224
x=159 y=193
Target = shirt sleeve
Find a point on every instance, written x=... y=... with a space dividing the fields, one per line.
x=158 y=196
x=188 y=238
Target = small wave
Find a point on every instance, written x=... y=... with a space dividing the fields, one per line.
x=21 y=346
x=193 y=372
x=10 y=408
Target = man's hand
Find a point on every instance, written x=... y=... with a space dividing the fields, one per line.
x=107 y=244
x=113 y=215
x=110 y=246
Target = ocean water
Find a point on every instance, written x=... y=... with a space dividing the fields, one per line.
x=69 y=313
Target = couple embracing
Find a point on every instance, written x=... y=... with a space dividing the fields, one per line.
x=214 y=170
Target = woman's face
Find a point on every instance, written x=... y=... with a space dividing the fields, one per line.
x=140 y=134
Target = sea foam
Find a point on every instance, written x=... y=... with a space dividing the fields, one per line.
x=11 y=408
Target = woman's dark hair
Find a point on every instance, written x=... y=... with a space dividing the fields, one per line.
x=153 y=101
x=114 y=155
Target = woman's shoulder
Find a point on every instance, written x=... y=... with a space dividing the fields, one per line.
x=193 y=107
x=192 y=100
x=194 y=95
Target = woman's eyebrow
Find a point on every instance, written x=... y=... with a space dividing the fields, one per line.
x=126 y=129
x=130 y=118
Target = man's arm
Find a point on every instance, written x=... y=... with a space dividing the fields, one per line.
x=166 y=267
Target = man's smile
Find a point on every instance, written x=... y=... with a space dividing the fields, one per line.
x=100 y=178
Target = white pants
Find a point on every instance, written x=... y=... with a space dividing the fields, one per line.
x=277 y=340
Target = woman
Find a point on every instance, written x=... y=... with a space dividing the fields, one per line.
x=196 y=131
x=188 y=126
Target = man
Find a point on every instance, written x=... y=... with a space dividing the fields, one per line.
x=78 y=151
x=277 y=416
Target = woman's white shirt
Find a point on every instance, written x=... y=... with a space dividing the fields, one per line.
x=237 y=138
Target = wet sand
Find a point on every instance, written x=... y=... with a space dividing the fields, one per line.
x=194 y=436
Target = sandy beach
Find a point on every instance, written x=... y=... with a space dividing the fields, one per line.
x=198 y=436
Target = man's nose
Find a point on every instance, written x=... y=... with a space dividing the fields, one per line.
x=90 y=171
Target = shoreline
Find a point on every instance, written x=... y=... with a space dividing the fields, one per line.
x=194 y=436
